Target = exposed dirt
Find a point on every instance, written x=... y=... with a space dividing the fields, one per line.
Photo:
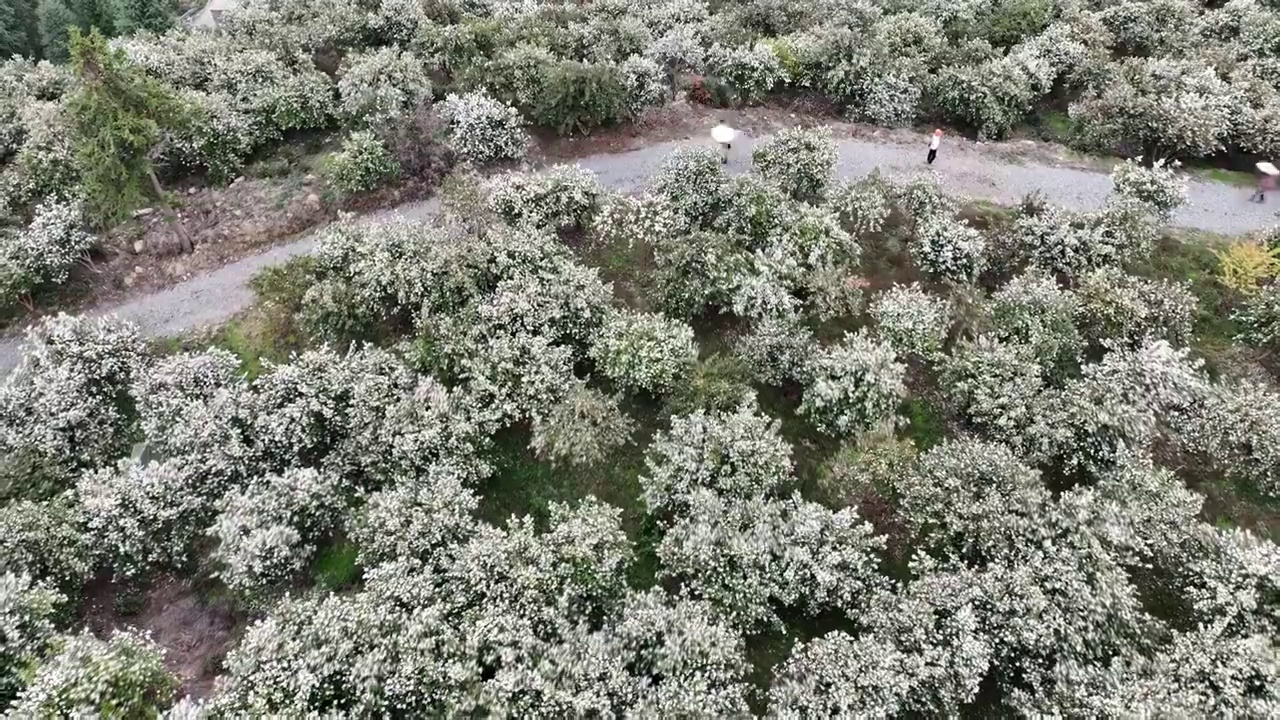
x=194 y=632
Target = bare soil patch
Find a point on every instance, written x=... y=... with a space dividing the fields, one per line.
x=195 y=632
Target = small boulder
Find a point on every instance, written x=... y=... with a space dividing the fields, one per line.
x=143 y=212
x=139 y=246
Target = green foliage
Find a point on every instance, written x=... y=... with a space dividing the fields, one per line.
x=336 y=567
x=579 y=97
x=54 y=21
x=144 y=15
x=117 y=114
x=363 y=164
x=1010 y=21
x=19 y=30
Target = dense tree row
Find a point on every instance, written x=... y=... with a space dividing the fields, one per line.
x=1157 y=78
x=1045 y=556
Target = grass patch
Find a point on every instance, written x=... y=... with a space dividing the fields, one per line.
x=1191 y=257
x=1224 y=176
x=335 y=567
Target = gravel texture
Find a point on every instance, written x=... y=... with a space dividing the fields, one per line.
x=963 y=168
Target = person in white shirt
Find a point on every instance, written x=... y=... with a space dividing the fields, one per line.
x=934 y=142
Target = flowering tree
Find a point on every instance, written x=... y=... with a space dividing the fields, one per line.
x=267 y=533
x=1236 y=430
x=144 y=518
x=800 y=161
x=777 y=349
x=419 y=518
x=67 y=401
x=644 y=351
x=378 y=87
x=863 y=205
x=910 y=320
x=750 y=71
x=949 y=249
x=42 y=540
x=482 y=129
x=1033 y=311
x=363 y=164
x=696 y=270
x=856 y=385
x=1160 y=107
x=1114 y=304
x=561 y=197
x=996 y=386
x=44 y=252
x=582 y=429
x=1159 y=187
x=714 y=485
x=124 y=675
x=27 y=612
x=690 y=179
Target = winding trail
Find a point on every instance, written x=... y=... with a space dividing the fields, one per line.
x=963 y=168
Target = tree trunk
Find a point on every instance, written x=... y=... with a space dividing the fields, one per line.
x=155 y=181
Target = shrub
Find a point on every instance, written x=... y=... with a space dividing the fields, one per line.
x=1238 y=430
x=1258 y=320
x=44 y=252
x=856 y=386
x=563 y=197
x=910 y=320
x=145 y=518
x=1116 y=305
x=1159 y=187
x=996 y=386
x=645 y=351
x=42 y=540
x=800 y=161
x=579 y=97
x=863 y=205
x=418 y=144
x=377 y=88
x=482 y=129
x=267 y=533
x=777 y=349
x=949 y=249
x=121 y=677
x=27 y=612
x=1032 y=311
x=363 y=164
x=67 y=402
x=1245 y=265
x=420 y=518
x=751 y=72
x=694 y=271
x=582 y=429
x=691 y=179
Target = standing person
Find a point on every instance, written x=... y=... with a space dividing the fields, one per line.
x=1265 y=183
x=724 y=135
x=934 y=142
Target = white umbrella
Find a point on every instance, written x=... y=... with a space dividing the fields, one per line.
x=723 y=134
x=1268 y=168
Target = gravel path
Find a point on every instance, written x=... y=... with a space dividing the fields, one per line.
x=962 y=168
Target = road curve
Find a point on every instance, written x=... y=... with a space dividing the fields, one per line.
x=962 y=168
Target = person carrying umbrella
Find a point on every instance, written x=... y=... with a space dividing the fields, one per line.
x=724 y=135
x=1266 y=182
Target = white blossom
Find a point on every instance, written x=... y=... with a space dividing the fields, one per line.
x=378 y=87
x=482 y=129
x=267 y=533
x=582 y=429
x=45 y=251
x=949 y=249
x=561 y=197
x=43 y=540
x=27 y=612
x=122 y=676
x=1159 y=187
x=364 y=163
x=751 y=72
x=856 y=385
x=910 y=320
x=800 y=161
x=645 y=351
